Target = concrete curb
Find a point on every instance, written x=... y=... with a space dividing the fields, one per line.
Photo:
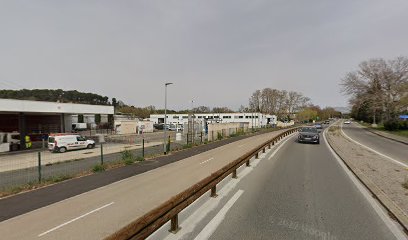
x=394 y=211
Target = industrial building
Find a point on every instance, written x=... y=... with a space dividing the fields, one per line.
x=35 y=118
x=253 y=119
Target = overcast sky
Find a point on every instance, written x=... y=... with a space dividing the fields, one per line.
x=215 y=52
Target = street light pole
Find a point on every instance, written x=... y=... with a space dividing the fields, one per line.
x=165 y=118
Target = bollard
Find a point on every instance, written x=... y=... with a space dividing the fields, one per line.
x=39 y=167
x=214 y=192
x=174 y=228
x=101 y=153
x=143 y=150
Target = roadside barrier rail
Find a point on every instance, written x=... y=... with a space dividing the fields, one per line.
x=147 y=224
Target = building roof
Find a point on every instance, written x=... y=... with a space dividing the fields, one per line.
x=15 y=106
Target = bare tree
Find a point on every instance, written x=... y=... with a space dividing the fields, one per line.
x=380 y=84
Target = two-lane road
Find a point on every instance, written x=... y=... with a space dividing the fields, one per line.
x=303 y=192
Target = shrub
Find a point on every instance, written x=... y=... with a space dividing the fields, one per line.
x=403 y=125
x=127 y=157
x=219 y=136
x=391 y=125
x=98 y=168
x=140 y=159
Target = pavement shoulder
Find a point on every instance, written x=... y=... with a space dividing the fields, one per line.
x=382 y=178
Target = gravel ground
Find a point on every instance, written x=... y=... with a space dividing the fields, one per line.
x=388 y=177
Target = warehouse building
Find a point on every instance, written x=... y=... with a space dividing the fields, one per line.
x=36 y=118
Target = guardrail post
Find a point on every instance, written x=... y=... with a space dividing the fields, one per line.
x=248 y=163
x=234 y=173
x=256 y=155
x=174 y=228
x=101 y=154
x=39 y=167
x=263 y=150
x=214 y=192
x=270 y=145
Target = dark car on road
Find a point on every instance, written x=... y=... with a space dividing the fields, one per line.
x=309 y=134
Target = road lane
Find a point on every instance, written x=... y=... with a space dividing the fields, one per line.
x=393 y=149
x=132 y=197
x=301 y=193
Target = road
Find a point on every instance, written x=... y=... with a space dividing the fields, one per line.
x=301 y=193
x=395 y=150
x=296 y=191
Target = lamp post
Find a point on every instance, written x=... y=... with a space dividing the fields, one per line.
x=165 y=118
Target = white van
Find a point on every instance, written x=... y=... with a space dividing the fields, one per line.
x=62 y=143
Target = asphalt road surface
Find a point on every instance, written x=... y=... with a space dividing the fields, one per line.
x=301 y=193
x=388 y=147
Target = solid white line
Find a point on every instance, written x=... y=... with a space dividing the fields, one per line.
x=372 y=150
x=73 y=220
x=279 y=147
x=374 y=204
x=216 y=221
x=207 y=160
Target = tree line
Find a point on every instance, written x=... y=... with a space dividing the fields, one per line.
x=378 y=90
x=55 y=95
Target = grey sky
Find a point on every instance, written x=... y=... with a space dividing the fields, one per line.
x=216 y=52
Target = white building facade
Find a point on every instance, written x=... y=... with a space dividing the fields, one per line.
x=255 y=120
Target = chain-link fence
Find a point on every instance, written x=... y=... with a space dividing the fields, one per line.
x=30 y=168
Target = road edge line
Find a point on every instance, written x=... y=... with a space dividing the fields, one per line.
x=394 y=212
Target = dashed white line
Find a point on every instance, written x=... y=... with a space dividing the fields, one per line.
x=73 y=220
x=206 y=161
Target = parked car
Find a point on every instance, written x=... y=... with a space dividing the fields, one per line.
x=65 y=142
x=309 y=134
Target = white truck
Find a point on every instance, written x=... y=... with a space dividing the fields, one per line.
x=9 y=141
x=65 y=142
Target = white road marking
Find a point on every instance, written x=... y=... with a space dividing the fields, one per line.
x=279 y=147
x=216 y=221
x=367 y=195
x=73 y=220
x=372 y=150
x=206 y=161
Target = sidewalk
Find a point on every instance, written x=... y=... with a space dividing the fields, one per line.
x=30 y=159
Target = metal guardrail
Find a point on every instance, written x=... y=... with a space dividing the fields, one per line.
x=144 y=226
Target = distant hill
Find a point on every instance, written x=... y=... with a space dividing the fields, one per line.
x=55 y=95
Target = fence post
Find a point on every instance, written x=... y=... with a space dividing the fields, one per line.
x=39 y=167
x=187 y=138
x=143 y=150
x=201 y=137
x=212 y=135
x=168 y=145
x=101 y=153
